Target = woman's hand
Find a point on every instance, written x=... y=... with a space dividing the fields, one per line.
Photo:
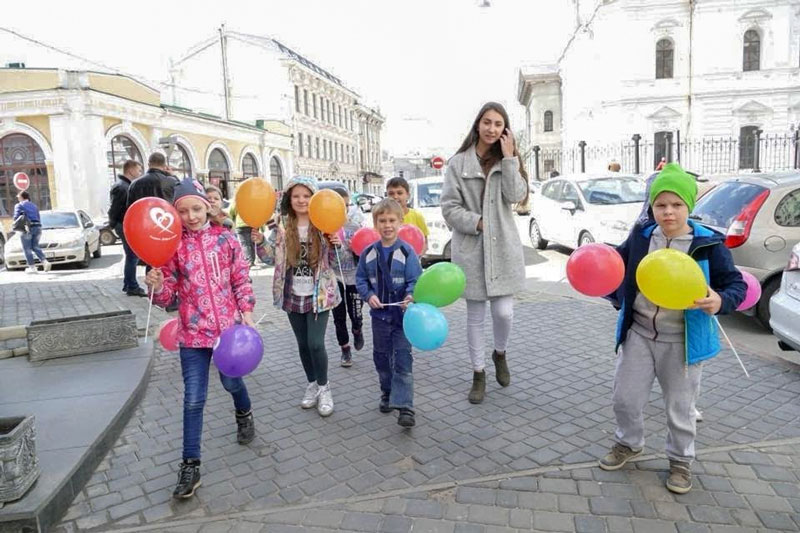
x=154 y=279
x=334 y=239
x=256 y=236
x=711 y=304
x=507 y=143
x=247 y=319
x=480 y=224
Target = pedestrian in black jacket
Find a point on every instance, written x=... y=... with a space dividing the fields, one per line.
x=157 y=182
x=131 y=171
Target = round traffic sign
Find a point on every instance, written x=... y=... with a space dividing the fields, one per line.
x=21 y=181
x=437 y=162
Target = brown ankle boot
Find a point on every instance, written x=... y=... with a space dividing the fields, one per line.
x=478 y=389
x=501 y=368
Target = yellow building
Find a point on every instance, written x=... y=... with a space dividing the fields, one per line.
x=71 y=131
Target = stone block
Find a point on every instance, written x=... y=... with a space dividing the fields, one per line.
x=77 y=335
x=19 y=465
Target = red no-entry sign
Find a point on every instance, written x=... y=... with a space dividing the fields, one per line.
x=21 y=181
x=437 y=162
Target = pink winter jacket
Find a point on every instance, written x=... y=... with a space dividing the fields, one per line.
x=210 y=275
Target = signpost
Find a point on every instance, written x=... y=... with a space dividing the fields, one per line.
x=21 y=181
x=437 y=162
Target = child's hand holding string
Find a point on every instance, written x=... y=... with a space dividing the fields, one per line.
x=711 y=304
x=154 y=279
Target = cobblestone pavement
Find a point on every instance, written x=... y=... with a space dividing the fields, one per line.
x=523 y=459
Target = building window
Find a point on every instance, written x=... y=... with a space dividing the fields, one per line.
x=219 y=171
x=341 y=117
x=319 y=154
x=300 y=144
x=249 y=166
x=751 y=56
x=308 y=146
x=297 y=98
x=179 y=162
x=548 y=121
x=747 y=146
x=276 y=173
x=120 y=150
x=662 y=147
x=20 y=153
x=314 y=98
x=305 y=101
x=328 y=105
x=665 y=53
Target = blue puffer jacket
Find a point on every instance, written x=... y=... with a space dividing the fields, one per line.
x=389 y=285
x=716 y=262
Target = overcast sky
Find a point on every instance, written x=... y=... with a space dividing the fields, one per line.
x=428 y=64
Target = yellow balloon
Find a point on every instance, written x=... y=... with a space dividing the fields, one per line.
x=255 y=201
x=327 y=211
x=671 y=279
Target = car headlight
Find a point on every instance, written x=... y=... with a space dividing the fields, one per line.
x=73 y=243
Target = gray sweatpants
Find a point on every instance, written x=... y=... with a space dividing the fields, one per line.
x=640 y=361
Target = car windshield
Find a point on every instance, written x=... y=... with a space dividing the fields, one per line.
x=430 y=194
x=719 y=206
x=606 y=191
x=59 y=220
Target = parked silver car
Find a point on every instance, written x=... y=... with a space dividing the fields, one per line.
x=784 y=306
x=67 y=237
x=760 y=215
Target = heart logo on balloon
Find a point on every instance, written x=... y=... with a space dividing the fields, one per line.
x=162 y=219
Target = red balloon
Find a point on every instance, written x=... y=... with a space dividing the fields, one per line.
x=362 y=238
x=168 y=334
x=595 y=269
x=152 y=228
x=413 y=236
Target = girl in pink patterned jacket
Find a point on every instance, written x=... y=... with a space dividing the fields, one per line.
x=210 y=276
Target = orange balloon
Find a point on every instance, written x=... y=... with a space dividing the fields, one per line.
x=255 y=201
x=327 y=211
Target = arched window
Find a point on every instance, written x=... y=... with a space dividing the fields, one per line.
x=179 y=162
x=20 y=153
x=121 y=149
x=219 y=171
x=548 y=121
x=249 y=166
x=276 y=173
x=751 y=51
x=747 y=146
x=665 y=53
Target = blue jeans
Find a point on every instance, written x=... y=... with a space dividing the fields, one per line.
x=194 y=366
x=129 y=282
x=30 y=245
x=246 y=241
x=391 y=353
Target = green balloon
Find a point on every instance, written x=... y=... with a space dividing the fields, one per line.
x=440 y=285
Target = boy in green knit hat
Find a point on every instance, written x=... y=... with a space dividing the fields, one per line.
x=664 y=344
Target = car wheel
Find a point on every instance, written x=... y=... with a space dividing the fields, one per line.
x=536 y=236
x=107 y=237
x=585 y=238
x=98 y=253
x=762 y=307
x=87 y=258
x=2 y=249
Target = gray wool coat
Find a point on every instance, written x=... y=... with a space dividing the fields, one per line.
x=491 y=259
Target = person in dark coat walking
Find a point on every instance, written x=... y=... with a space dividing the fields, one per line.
x=156 y=182
x=131 y=170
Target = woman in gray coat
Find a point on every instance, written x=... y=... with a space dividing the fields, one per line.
x=483 y=179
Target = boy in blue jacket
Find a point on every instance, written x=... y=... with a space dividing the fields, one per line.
x=654 y=342
x=387 y=272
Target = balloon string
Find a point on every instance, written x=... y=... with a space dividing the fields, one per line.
x=149 y=310
x=731 y=345
x=260 y=319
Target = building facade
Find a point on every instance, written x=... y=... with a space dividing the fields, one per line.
x=370 y=123
x=704 y=71
x=250 y=78
x=71 y=132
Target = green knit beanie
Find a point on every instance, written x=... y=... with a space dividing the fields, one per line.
x=674 y=179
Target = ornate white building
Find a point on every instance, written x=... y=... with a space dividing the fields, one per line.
x=250 y=78
x=663 y=69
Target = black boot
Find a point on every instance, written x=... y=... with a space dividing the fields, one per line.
x=501 y=368
x=245 y=427
x=347 y=357
x=478 y=389
x=358 y=339
x=188 y=479
x=383 y=406
x=406 y=418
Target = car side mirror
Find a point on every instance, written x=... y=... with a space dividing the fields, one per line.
x=569 y=205
x=88 y=225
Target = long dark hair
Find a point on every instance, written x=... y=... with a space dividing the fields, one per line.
x=495 y=152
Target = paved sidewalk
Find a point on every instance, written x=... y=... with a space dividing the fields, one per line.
x=523 y=459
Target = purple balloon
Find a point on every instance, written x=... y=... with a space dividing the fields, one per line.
x=238 y=351
x=753 y=294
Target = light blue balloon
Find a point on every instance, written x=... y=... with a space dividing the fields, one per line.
x=425 y=326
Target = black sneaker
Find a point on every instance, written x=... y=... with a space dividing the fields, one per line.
x=188 y=479
x=138 y=291
x=245 y=428
x=406 y=418
x=358 y=340
x=383 y=406
x=347 y=356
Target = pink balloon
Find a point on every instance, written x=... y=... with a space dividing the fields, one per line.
x=362 y=238
x=413 y=236
x=168 y=334
x=753 y=294
x=595 y=269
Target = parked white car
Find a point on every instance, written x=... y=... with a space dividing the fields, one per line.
x=580 y=209
x=67 y=237
x=426 y=197
x=784 y=306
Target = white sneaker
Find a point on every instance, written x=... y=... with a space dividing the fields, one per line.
x=310 y=397
x=325 y=405
x=31 y=270
x=47 y=266
x=698 y=415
